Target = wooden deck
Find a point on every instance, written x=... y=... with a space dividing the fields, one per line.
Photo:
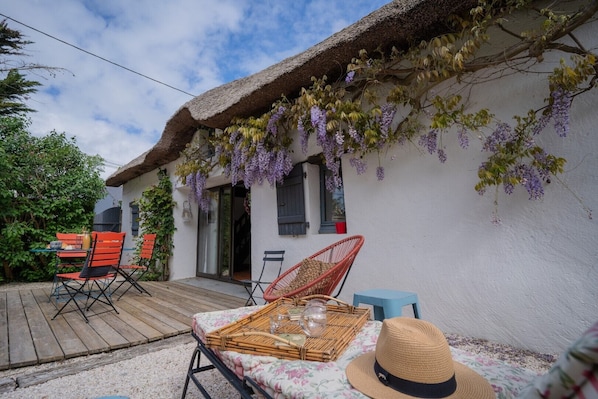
x=28 y=336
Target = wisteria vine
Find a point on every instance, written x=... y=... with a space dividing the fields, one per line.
x=254 y=150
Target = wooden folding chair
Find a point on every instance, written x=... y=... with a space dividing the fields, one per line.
x=93 y=282
x=318 y=274
x=133 y=273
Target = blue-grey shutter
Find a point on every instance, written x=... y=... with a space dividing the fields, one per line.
x=290 y=202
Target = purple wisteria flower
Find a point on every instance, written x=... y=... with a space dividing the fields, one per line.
x=357 y=138
x=429 y=141
x=359 y=165
x=543 y=164
x=272 y=122
x=541 y=124
x=501 y=135
x=197 y=183
x=303 y=135
x=530 y=180
x=340 y=139
x=380 y=173
x=463 y=138
x=561 y=107
x=441 y=155
x=349 y=77
x=388 y=114
x=318 y=120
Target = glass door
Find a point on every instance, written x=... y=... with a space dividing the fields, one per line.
x=224 y=234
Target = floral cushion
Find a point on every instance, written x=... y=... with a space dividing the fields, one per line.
x=573 y=375
x=305 y=379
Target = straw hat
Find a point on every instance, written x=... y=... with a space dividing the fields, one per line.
x=413 y=360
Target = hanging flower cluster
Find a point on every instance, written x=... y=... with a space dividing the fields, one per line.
x=382 y=102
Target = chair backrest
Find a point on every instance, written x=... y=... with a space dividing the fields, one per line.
x=272 y=257
x=147 y=247
x=106 y=252
x=318 y=274
x=69 y=238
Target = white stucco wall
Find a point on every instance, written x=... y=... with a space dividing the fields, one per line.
x=530 y=282
x=183 y=260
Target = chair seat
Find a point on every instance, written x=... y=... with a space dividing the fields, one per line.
x=133 y=267
x=387 y=303
x=76 y=276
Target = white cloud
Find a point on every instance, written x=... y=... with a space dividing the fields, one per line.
x=188 y=44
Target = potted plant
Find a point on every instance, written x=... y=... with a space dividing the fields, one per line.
x=338 y=214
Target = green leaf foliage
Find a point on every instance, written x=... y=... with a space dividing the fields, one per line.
x=156 y=216
x=47 y=185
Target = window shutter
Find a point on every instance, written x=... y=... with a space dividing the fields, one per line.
x=291 y=205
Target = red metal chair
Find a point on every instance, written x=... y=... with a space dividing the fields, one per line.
x=318 y=274
x=93 y=282
x=133 y=273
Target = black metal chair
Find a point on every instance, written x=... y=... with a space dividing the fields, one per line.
x=272 y=259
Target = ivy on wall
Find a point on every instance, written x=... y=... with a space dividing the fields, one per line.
x=156 y=216
x=419 y=96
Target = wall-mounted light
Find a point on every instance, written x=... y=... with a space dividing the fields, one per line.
x=187 y=215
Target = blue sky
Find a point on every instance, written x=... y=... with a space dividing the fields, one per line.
x=191 y=45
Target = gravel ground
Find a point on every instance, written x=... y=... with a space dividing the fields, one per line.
x=158 y=371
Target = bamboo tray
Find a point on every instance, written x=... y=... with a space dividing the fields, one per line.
x=251 y=334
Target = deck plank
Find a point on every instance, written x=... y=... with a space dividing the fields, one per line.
x=21 y=350
x=46 y=346
x=210 y=299
x=71 y=344
x=164 y=307
x=125 y=329
x=4 y=359
x=148 y=332
x=161 y=321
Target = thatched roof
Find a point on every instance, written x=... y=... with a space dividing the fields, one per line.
x=395 y=24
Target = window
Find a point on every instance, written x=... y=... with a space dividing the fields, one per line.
x=332 y=204
x=291 y=204
x=134 y=219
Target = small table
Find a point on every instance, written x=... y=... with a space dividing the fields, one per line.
x=70 y=255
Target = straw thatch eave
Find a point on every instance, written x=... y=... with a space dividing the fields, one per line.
x=395 y=24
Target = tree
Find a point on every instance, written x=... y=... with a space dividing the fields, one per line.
x=14 y=88
x=46 y=185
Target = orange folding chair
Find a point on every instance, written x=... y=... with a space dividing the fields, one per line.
x=133 y=273
x=318 y=274
x=92 y=283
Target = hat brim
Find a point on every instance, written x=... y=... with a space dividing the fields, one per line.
x=362 y=377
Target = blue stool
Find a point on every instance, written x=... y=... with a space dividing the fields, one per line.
x=387 y=303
